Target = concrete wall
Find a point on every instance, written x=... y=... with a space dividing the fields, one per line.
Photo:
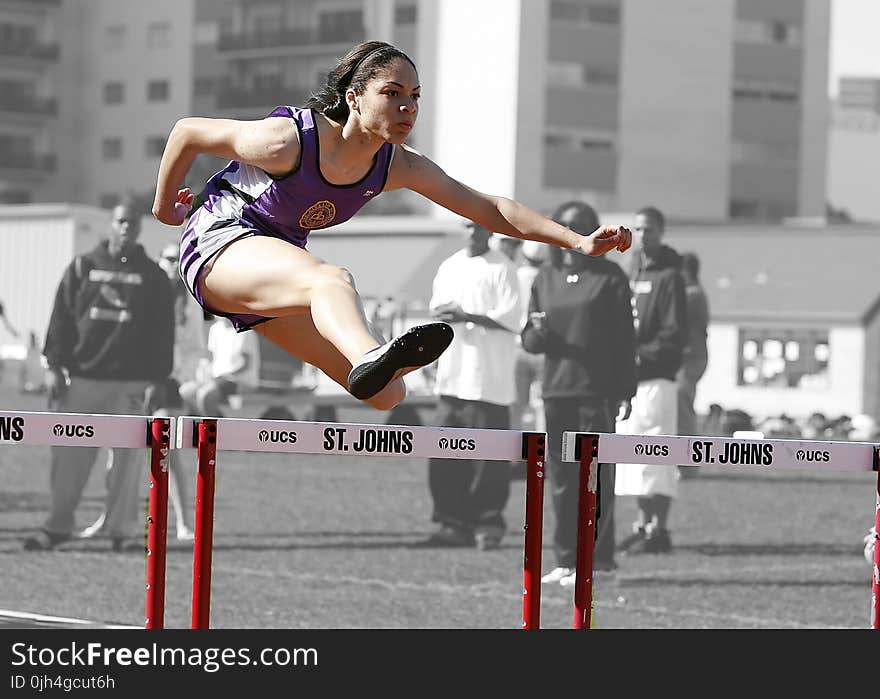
x=844 y=394
x=854 y=166
x=477 y=77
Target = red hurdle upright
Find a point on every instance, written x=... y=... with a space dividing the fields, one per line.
x=535 y=443
x=875 y=569
x=204 y=523
x=588 y=448
x=159 y=441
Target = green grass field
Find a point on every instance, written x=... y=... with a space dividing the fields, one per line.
x=326 y=542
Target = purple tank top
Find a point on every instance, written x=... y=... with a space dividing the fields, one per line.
x=291 y=206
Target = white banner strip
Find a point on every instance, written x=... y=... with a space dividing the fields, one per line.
x=726 y=451
x=74 y=430
x=240 y=434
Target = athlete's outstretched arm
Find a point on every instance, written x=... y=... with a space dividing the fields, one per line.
x=414 y=171
x=271 y=144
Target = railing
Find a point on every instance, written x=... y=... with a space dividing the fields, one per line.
x=239 y=41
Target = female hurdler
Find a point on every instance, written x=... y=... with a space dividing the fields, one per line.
x=243 y=252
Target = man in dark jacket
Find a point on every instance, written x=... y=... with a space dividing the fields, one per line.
x=110 y=336
x=660 y=315
x=580 y=319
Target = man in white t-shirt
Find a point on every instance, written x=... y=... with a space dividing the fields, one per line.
x=476 y=291
x=234 y=367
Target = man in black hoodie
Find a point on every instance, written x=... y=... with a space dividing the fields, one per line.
x=660 y=315
x=110 y=335
x=580 y=319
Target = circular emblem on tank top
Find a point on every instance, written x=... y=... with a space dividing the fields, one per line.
x=318 y=215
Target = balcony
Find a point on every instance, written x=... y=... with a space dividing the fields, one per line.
x=30 y=50
x=261 y=97
x=27 y=165
x=288 y=39
x=27 y=104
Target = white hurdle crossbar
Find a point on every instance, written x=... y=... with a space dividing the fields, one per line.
x=591 y=449
x=210 y=435
x=115 y=431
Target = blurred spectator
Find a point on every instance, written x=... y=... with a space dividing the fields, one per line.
x=711 y=425
x=190 y=347
x=864 y=429
x=234 y=367
x=190 y=321
x=111 y=334
x=580 y=320
x=509 y=245
x=659 y=311
x=476 y=291
x=839 y=428
x=736 y=420
x=31 y=377
x=696 y=353
x=9 y=328
x=6 y=324
x=815 y=427
x=527 y=411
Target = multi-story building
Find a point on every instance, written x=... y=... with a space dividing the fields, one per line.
x=854 y=149
x=709 y=110
x=130 y=78
x=29 y=104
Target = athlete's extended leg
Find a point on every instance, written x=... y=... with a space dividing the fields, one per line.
x=270 y=277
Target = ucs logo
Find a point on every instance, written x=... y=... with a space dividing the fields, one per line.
x=276 y=436
x=457 y=444
x=652 y=449
x=813 y=455
x=73 y=430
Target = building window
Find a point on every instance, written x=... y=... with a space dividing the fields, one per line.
x=405 y=14
x=750 y=31
x=154 y=146
x=341 y=26
x=114 y=93
x=579 y=142
x=760 y=91
x=763 y=152
x=158 y=90
x=580 y=12
x=603 y=14
x=203 y=87
x=114 y=37
x=577 y=75
x=783 y=358
x=158 y=35
x=111 y=148
x=15 y=196
x=206 y=33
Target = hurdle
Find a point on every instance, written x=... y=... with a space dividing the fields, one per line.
x=591 y=449
x=210 y=435
x=114 y=431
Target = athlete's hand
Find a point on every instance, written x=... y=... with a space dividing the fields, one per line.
x=179 y=210
x=606 y=238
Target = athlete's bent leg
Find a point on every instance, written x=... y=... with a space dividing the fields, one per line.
x=298 y=336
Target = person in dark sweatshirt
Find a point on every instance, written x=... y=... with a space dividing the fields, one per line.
x=580 y=319
x=660 y=316
x=110 y=336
